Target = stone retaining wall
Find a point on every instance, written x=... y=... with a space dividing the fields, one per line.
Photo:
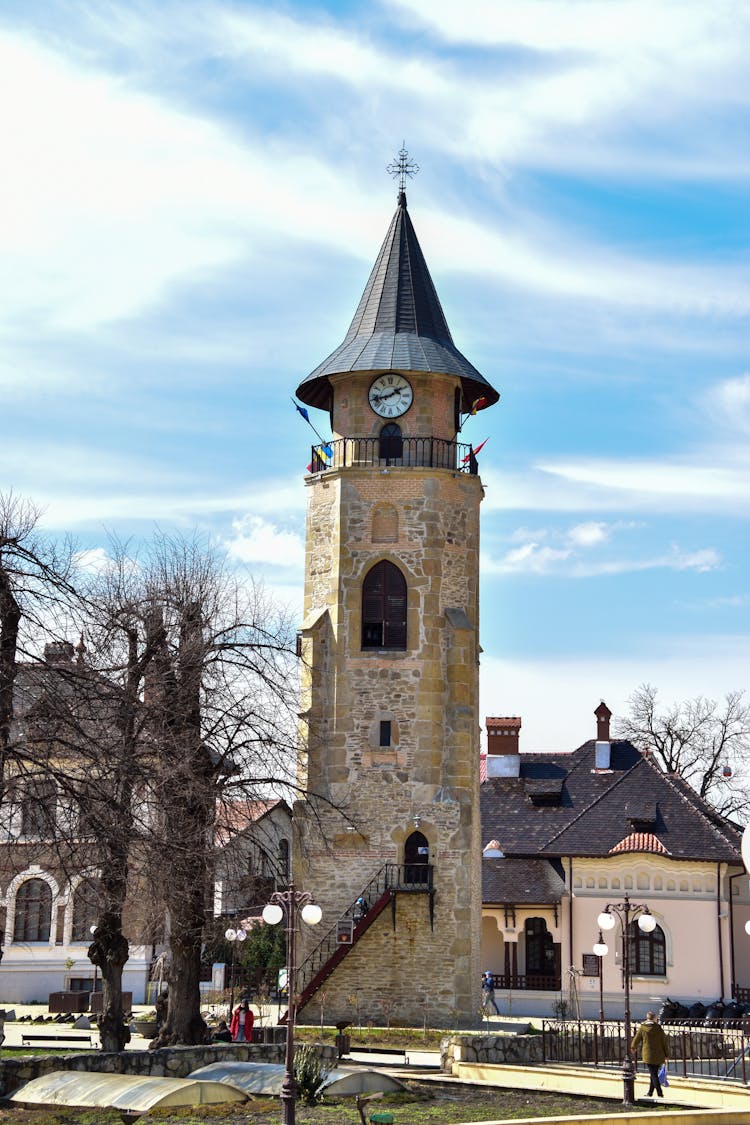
x=169 y=1062
x=521 y=1050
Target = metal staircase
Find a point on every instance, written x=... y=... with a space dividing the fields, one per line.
x=409 y=878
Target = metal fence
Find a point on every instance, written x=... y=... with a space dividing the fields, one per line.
x=696 y=1049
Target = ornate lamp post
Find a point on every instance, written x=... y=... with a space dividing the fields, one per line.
x=601 y=949
x=627 y=912
x=292 y=905
x=233 y=936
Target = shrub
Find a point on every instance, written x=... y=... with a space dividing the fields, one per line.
x=310 y=1073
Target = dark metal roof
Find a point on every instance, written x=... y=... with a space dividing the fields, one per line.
x=596 y=808
x=518 y=880
x=399 y=324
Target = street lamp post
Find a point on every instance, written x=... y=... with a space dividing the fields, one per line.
x=601 y=949
x=233 y=936
x=292 y=905
x=92 y=931
x=627 y=912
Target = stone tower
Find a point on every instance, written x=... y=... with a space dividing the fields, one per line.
x=390 y=653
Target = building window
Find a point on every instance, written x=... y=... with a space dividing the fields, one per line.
x=648 y=957
x=391 y=443
x=38 y=810
x=384 y=607
x=85 y=910
x=540 y=948
x=33 y=911
x=385 y=732
x=284 y=860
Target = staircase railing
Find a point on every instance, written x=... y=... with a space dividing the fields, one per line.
x=405 y=877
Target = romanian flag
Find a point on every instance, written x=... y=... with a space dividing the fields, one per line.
x=474 y=452
x=478 y=404
x=325 y=452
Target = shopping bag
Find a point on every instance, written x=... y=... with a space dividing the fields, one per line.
x=663 y=1080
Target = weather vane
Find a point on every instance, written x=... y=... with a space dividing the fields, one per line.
x=403 y=167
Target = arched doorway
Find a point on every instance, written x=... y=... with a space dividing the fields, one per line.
x=391 y=443
x=541 y=952
x=416 y=859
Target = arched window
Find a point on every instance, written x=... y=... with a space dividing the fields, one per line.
x=648 y=957
x=85 y=910
x=33 y=911
x=391 y=443
x=384 y=607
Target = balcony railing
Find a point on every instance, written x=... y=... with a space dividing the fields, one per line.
x=381 y=452
x=539 y=982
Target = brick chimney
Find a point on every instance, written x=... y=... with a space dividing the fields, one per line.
x=603 y=746
x=58 y=652
x=503 y=756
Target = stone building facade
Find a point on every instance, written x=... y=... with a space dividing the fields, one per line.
x=390 y=650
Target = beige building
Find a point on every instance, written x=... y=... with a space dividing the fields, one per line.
x=390 y=648
x=567 y=834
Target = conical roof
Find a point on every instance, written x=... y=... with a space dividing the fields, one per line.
x=399 y=324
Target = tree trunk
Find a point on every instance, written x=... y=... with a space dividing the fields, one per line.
x=109 y=951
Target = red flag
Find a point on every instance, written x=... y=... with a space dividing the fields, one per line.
x=478 y=404
x=474 y=452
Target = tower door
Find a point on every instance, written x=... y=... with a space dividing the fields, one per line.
x=391 y=443
x=416 y=859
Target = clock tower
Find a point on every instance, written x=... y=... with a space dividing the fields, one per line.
x=387 y=838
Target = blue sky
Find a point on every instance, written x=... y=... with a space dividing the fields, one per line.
x=193 y=195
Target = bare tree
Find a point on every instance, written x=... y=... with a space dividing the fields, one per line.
x=703 y=741
x=34 y=581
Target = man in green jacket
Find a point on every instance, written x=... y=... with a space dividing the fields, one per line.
x=652 y=1040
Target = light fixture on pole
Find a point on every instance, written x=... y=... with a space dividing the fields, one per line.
x=233 y=936
x=601 y=949
x=92 y=931
x=627 y=912
x=292 y=905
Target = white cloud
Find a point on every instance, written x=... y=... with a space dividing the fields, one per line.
x=527 y=559
x=256 y=540
x=589 y=534
x=729 y=402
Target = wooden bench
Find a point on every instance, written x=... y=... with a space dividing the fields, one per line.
x=27 y=1038
x=389 y=1051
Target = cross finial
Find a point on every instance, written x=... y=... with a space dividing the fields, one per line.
x=402 y=167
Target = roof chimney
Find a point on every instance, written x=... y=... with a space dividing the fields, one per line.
x=603 y=747
x=58 y=652
x=503 y=756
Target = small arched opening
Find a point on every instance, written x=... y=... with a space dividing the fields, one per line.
x=416 y=859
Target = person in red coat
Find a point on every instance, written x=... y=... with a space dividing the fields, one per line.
x=241 y=1026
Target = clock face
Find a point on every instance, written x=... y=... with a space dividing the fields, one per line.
x=390 y=395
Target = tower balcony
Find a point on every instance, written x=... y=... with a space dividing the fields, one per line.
x=397 y=451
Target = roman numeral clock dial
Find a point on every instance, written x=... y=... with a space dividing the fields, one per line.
x=390 y=395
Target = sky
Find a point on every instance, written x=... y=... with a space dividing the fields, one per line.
x=193 y=194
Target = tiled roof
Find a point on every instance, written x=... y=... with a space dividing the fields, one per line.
x=515 y=881
x=596 y=808
x=639 y=842
x=399 y=324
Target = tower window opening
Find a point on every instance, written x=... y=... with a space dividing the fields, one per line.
x=385 y=732
x=384 y=607
x=391 y=443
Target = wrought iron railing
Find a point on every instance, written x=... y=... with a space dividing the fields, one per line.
x=406 y=877
x=412 y=452
x=695 y=1049
x=538 y=982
